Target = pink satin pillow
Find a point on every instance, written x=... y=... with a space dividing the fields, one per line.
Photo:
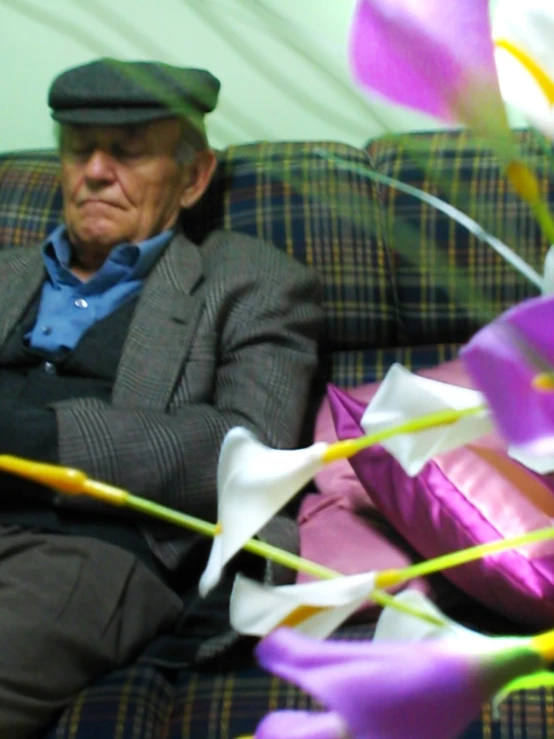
x=471 y=495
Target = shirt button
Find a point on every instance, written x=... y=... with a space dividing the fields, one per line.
x=50 y=368
x=81 y=303
x=46 y=330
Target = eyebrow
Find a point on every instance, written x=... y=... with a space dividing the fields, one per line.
x=130 y=129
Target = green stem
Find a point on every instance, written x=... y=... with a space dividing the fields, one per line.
x=544 y=218
x=260 y=548
x=455 y=559
x=350 y=447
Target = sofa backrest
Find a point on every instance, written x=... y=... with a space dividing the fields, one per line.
x=401 y=281
x=448 y=282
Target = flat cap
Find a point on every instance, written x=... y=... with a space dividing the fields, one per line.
x=114 y=92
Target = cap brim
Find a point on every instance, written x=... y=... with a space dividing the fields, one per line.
x=128 y=117
x=111 y=116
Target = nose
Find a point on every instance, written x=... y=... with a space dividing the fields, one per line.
x=99 y=167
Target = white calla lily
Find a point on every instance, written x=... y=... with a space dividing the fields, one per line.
x=523 y=33
x=396 y=625
x=254 y=482
x=403 y=396
x=314 y=608
x=541 y=464
x=548 y=273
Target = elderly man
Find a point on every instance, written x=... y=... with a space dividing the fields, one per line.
x=128 y=351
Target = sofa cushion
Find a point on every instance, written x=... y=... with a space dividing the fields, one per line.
x=471 y=495
x=448 y=282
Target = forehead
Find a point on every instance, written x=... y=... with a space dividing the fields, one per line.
x=153 y=130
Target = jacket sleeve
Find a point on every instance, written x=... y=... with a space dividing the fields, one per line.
x=268 y=321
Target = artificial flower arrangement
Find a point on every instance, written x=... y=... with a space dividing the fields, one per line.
x=438 y=57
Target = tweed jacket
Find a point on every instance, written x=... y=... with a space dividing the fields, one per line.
x=224 y=334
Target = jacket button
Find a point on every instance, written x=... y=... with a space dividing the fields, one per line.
x=50 y=368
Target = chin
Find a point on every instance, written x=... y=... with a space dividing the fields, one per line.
x=96 y=237
x=98 y=241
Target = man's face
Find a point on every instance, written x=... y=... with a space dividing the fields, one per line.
x=123 y=183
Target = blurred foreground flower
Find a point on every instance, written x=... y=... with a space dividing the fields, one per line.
x=434 y=56
x=511 y=361
x=523 y=33
x=315 y=608
x=438 y=57
x=398 y=626
x=378 y=690
x=403 y=396
x=254 y=482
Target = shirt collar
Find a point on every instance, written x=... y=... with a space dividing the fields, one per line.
x=136 y=259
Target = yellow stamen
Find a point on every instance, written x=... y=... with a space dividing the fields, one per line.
x=218 y=529
x=301 y=614
x=543 y=382
x=388 y=579
x=524 y=181
x=526 y=185
x=341 y=450
x=544 y=645
x=537 y=73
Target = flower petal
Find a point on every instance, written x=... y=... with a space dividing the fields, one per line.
x=434 y=56
x=542 y=464
x=396 y=625
x=302 y=725
x=385 y=689
x=254 y=482
x=548 y=274
x=504 y=360
x=403 y=396
x=314 y=608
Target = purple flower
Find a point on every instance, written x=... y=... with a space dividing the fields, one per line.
x=380 y=690
x=435 y=56
x=511 y=361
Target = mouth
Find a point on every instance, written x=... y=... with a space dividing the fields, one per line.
x=98 y=203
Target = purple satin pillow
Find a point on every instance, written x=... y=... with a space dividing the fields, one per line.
x=472 y=495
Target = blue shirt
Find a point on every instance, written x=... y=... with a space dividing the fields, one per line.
x=69 y=307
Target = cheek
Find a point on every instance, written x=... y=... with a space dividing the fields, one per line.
x=71 y=183
x=133 y=187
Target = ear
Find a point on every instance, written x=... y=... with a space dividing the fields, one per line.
x=200 y=173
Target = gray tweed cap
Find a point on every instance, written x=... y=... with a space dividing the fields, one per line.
x=114 y=92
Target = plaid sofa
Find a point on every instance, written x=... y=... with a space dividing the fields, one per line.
x=401 y=282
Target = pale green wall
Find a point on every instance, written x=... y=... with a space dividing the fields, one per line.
x=269 y=90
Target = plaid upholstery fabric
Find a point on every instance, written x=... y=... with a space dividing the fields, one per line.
x=325 y=215
x=356 y=366
x=448 y=282
x=232 y=705
x=133 y=703
x=30 y=197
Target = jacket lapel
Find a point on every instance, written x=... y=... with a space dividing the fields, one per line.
x=162 y=328
x=22 y=274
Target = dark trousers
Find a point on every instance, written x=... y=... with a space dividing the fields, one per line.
x=71 y=609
